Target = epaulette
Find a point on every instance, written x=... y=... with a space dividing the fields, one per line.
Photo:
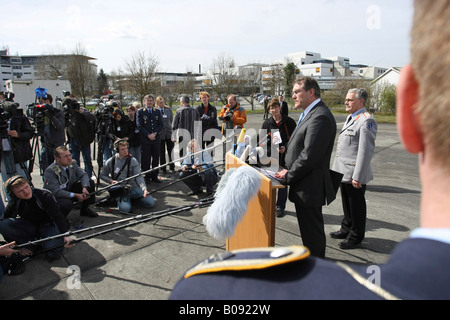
x=367 y=114
x=249 y=259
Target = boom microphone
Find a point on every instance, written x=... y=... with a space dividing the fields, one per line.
x=231 y=201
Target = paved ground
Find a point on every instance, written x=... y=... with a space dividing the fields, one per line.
x=145 y=261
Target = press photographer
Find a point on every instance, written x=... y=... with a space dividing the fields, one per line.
x=103 y=128
x=15 y=134
x=49 y=124
x=81 y=132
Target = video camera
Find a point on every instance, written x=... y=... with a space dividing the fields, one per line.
x=36 y=112
x=229 y=114
x=7 y=110
x=9 y=96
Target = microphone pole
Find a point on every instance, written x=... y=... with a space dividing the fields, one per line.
x=185 y=178
x=138 y=219
x=156 y=168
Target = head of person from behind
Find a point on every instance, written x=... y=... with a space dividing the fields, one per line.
x=19 y=187
x=423 y=118
x=63 y=157
x=306 y=90
x=355 y=100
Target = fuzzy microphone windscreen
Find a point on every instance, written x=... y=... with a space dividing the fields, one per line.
x=231 y=202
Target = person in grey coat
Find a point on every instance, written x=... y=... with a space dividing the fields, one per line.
x=186 y=125
x=69 y=183
x=120 y=167
x=355 y=148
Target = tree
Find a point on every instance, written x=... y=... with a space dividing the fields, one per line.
x=102 y=82
x=385 y=97
x=223 y=77
x=81 y=73
x=289 y=77
x=141 y=72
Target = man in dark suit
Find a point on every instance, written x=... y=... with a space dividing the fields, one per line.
x=307 y=160
x=418 y=267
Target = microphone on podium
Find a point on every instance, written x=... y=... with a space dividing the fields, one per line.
x=233 y=194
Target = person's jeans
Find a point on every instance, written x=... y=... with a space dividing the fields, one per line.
x=22 y=231
x=76 y=149
x=136 y=195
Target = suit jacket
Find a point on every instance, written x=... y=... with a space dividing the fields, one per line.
x=58 y=181
x=308 y=158
x=417 y=269
x=355 y=147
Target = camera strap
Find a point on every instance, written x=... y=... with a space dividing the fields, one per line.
x=127 y=163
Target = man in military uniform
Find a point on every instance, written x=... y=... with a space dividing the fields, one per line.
x=418 y=267
x=150 y=122
x=69 y=183
x=354 y=152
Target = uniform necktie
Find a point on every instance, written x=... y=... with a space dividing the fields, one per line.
x=348 y=120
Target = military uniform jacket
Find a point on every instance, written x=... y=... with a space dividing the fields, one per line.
x=149 y=121
x=58 y=180
x=355 y=148
x=417 y=269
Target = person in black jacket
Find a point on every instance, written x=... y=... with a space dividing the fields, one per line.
x=122 y=127
x=285 y=125
x=208 y=116
x=16 y=147
x=33 y=213
x=134 y=139
x=54 y=134
x=81 y=132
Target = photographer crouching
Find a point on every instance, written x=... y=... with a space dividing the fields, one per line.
x=33 y=214
x=69 y=184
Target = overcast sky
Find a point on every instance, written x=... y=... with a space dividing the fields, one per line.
x=185 y=34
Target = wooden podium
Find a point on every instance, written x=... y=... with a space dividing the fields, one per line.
x=257 y=228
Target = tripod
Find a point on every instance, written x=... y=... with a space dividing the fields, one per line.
x=103 y=129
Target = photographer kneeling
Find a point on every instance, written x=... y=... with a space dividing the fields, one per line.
x=69 y=184
x=199 y=168
x=39 y=217
x=119 y=167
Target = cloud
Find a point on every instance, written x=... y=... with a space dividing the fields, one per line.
x=125 y=30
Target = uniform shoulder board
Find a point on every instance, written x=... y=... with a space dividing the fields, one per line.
x=249 y=259
x=367 y=114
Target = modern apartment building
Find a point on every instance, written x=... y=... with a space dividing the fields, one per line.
x=35 y=67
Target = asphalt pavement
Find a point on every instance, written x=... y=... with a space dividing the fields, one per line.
x=145 y=260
